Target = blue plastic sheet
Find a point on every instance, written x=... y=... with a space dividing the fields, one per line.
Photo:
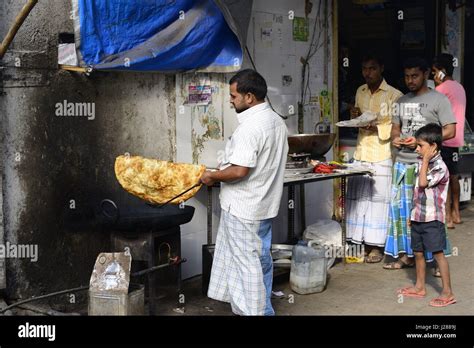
x=157 y=35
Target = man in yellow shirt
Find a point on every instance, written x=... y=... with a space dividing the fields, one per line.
x=368 y=198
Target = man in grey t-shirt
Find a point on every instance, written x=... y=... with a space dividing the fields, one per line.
x=414 y=110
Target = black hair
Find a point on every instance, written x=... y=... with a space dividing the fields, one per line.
x=444 y=61
x=250 y=81
x=432 y=133
x=416 y=62
x=373 y=56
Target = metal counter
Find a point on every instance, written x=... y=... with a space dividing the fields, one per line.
x=291 y=182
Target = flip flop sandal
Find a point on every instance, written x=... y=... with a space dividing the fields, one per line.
x=401 y=264
x=373 y=258
x=406 y=292
x=442 y=302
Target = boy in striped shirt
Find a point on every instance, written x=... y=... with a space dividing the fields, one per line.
x=428 y=231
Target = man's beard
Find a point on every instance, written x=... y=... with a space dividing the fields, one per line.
x=415 y=89
x=241 y=109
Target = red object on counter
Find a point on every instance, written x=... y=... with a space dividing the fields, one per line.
x=323 y=168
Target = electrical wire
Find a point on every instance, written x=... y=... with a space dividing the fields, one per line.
x=316 y=22
x=82 y=288
x=314 y=47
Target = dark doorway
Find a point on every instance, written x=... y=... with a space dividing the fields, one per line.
x=395 y=30
x=468 y=78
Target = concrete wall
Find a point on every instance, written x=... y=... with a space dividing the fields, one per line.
x=53 y=164
x=2 y=261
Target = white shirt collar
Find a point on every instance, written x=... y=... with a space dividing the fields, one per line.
x=254 y=109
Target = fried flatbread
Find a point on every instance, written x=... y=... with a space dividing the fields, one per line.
x=157 y=181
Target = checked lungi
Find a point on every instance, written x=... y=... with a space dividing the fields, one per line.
x=242 y=269
x=401 y=203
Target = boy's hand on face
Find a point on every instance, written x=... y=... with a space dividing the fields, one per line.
x=430 y=153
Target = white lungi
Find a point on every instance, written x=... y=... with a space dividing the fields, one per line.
x=242 y=267
x=368 y=204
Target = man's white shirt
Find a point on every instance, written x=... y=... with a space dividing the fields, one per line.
x=260 y=143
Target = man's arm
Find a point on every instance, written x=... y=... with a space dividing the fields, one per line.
x=447 y=118
x=395 y=135
x=355 y=110
x=449 y=131
x=229 y=174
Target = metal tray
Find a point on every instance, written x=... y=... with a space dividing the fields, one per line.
x=281 y=251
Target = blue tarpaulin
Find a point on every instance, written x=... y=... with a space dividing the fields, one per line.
x=157 y=35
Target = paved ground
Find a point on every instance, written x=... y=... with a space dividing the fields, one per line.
x=366 y=289
x=352 y=289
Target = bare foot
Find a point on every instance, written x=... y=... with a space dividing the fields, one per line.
x=450 y=225
x=412 y=292
x=457 y=219
x=410 y=261
x=446 y=295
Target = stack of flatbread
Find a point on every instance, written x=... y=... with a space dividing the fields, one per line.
x=363 y=120
x=157 y=181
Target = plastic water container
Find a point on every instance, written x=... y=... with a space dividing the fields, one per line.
x=328 y=233
x=325 y=232
x=308 y=268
